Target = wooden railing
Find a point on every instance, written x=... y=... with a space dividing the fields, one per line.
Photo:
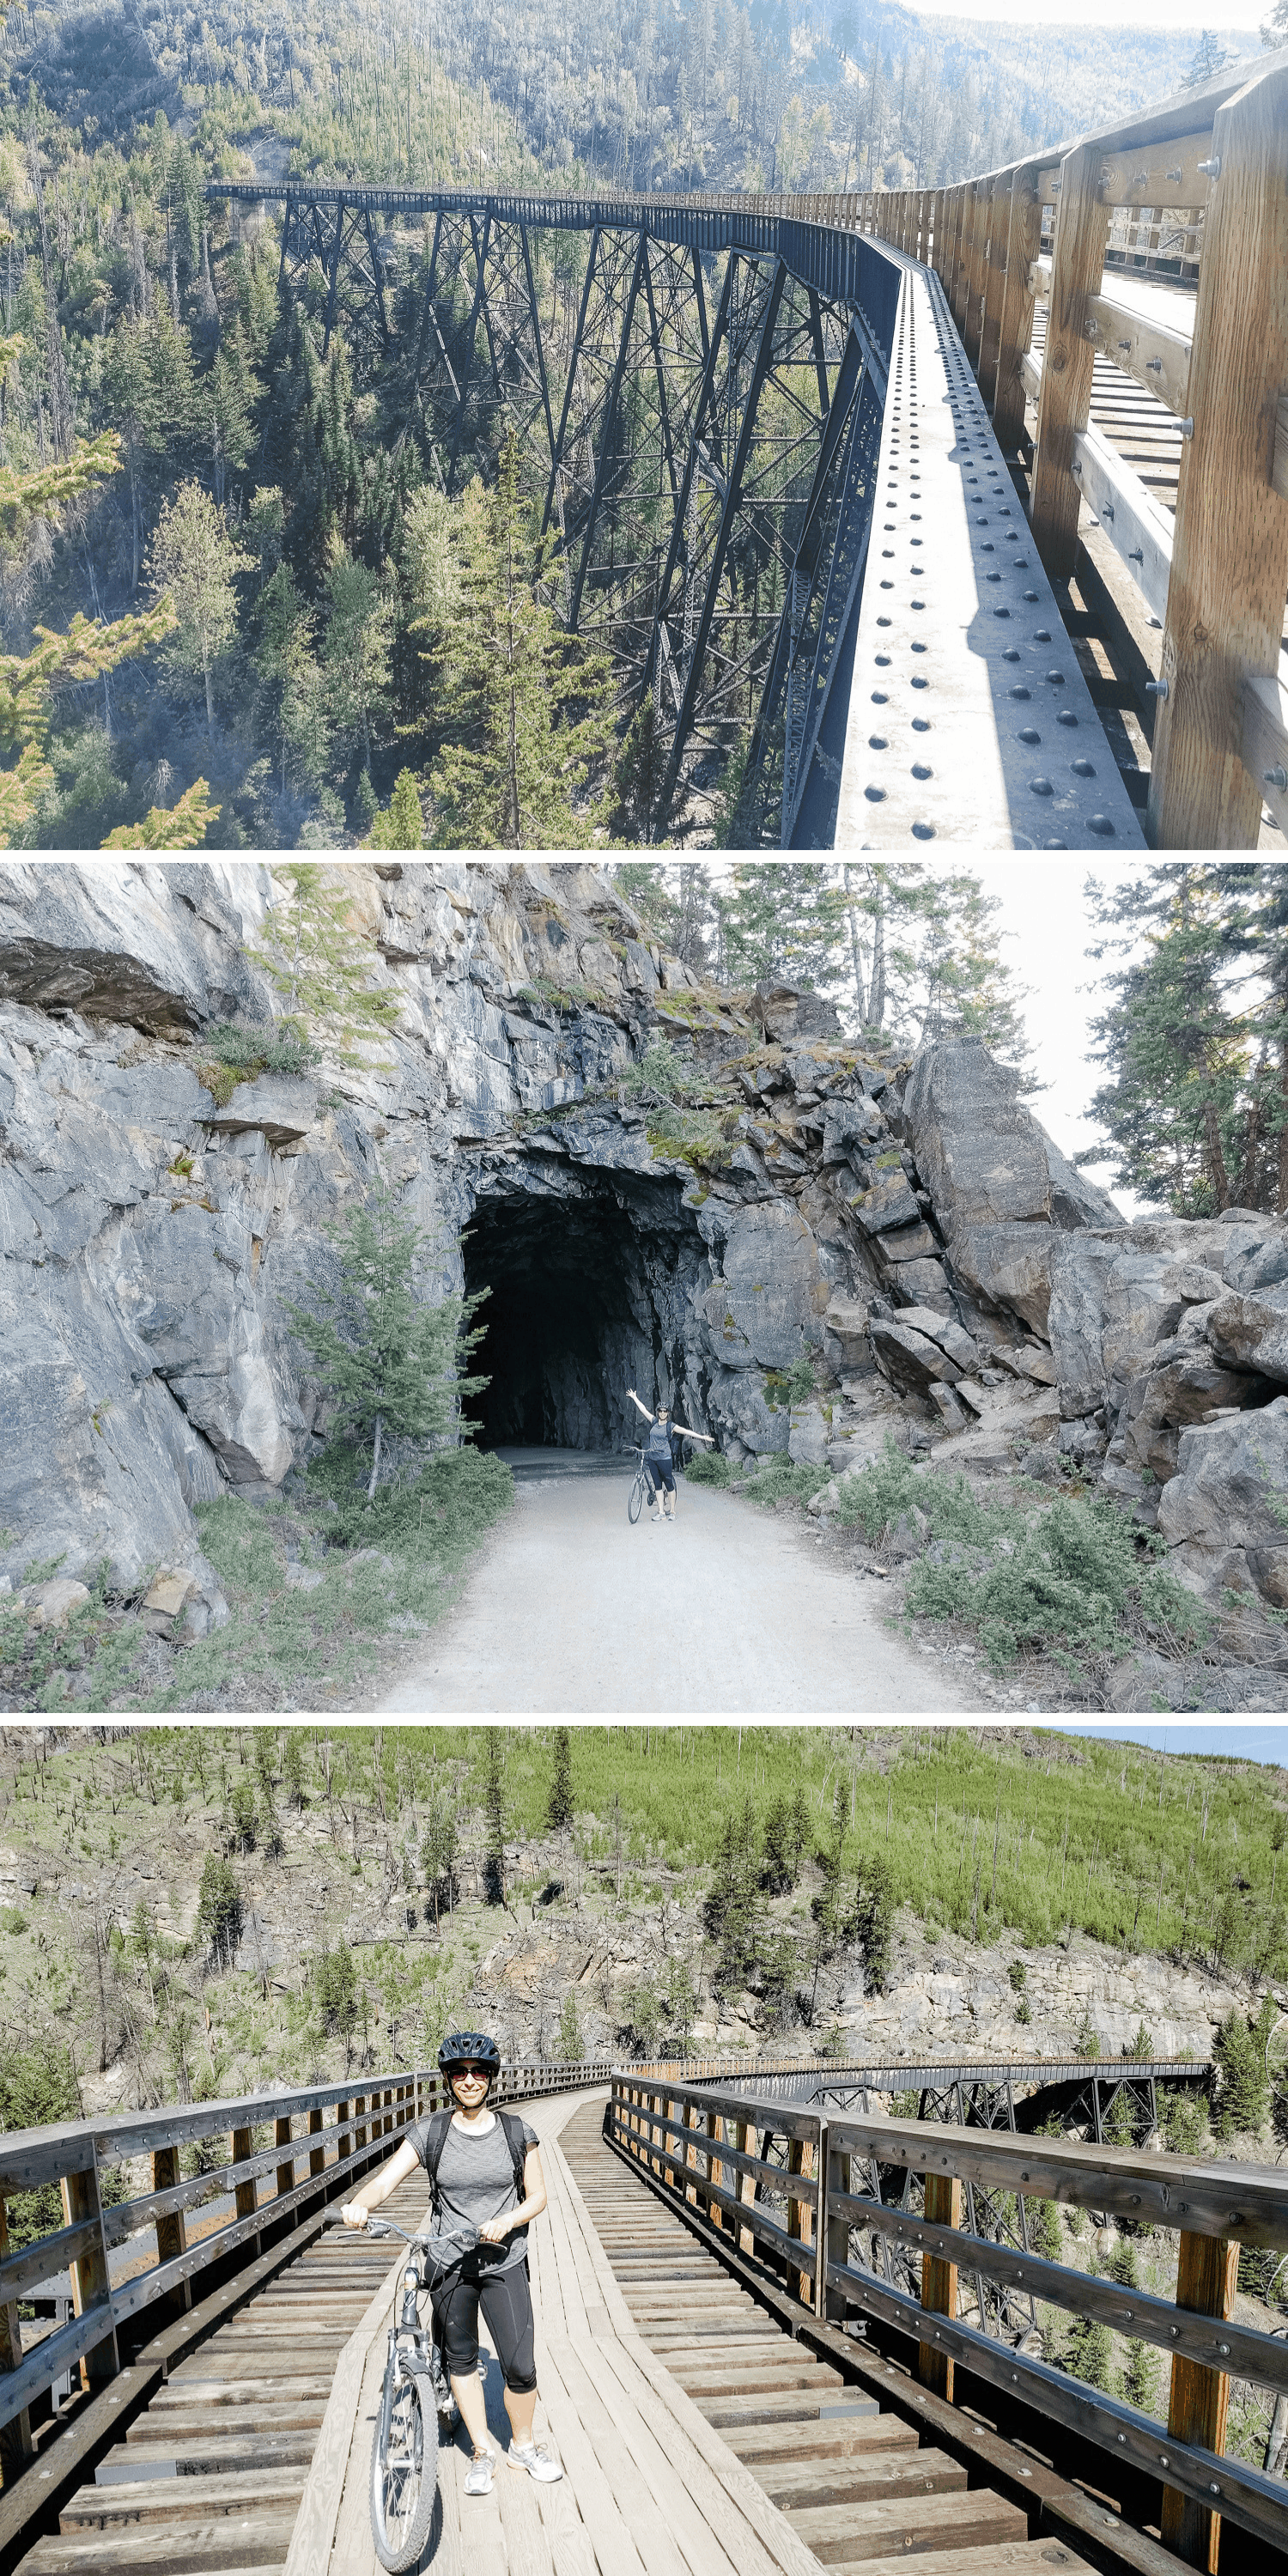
x=361 y=2130
x=711 y=2146
x=1208 y=169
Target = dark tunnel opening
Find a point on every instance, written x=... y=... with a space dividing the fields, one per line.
x=589 y=1294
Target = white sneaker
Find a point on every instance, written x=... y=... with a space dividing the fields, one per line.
x=478 y=2476
x=538 y=2463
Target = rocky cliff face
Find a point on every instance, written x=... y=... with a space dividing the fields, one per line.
x=910 y=1230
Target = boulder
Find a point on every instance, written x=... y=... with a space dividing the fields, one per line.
x=1256 y=1257
x=1224 y=1513
x=914 y=1363
x=739 y=1409
x=923 y=1281
x=790 y=1016
x=1080 y=1266
x=984 y=1159
x=903 y=1244
x=943 y=1330
x=807 y=1436
x=1251 y=1332
x=1007 y=1266
x=848 y=1123
x=281 y=1108
x=885 y=1203
x=1185 y=1384
x=50 y=1605
x=846 y=1347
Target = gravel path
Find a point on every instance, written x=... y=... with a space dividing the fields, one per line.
x=729 y=1611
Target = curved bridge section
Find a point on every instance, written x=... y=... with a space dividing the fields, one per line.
x=772 y=492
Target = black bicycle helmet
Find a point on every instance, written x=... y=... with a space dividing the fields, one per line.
x=469 y=2047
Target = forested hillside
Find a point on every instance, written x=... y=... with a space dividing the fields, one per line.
x=321 y=621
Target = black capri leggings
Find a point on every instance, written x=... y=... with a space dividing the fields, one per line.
x=506 y=2301
x=660 y=1472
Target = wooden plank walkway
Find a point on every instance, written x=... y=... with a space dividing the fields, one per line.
x=696 y=2437
x=210 y=2477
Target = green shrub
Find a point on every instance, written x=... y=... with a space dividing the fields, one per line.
x=240 y=1055
x=37 y=2085
x=708 y=1468
x=456 y=1496
x=1019 y=1976
x=779 y=1480
x=1087 y=2042
x=800 y=1379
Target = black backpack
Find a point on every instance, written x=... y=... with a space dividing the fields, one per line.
x=436 y=2128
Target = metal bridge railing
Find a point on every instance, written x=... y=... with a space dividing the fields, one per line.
x=362 y=2128
x=739 y=2158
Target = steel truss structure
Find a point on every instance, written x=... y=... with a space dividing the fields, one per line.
x=1098 y=2099
x=704 y=444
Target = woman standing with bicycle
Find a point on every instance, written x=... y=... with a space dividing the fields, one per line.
x=485 y=2175
x=658 y=1460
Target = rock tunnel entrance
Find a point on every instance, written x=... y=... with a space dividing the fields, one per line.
x=592 y=1282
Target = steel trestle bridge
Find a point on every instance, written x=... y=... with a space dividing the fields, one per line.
x=711 y=435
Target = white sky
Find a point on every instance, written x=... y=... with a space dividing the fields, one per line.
x=1046 y=929
x=1224 y=17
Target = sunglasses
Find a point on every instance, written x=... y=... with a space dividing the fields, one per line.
x=470 y=2074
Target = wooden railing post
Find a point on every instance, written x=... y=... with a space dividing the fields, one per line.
x=939 y=2280
x=360 y=2132
x=343 y=2146
x=91 y=2286
x=1015 y=322
x=744 y=2138
x=172 y=2235
x=1077 y=265
x=285 y=2170
x=715 y=2134
x=317 y=2155
x=800 y=2218
x=837 y=2243
x=1206 y=2273
x=1225 y=599
x=990 y=338
x=822 y=2166
x=692 y=2120
x=15 y=2436
x=245 y=2194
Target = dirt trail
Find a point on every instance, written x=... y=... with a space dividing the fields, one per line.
x=729 y=1611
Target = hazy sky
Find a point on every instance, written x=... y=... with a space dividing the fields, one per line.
x=1047 y=927
x=1225 y=17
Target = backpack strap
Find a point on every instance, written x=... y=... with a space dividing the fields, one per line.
x=513 y=2127
x=436 y=2129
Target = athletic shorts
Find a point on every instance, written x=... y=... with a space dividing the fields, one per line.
x=659 y=1472
x=506 y=2300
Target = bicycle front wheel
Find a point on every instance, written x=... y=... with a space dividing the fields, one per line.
x=635 y=1504
x=404 y=2473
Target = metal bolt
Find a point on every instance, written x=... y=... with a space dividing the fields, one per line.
x=1186 y=428
x=1276 y=777
x=1056 y=186
x=1155 y=366
x=1175 y=174
x=1140 y=179
x=1137 y=555
x=1211 y=169
x=1124 y=344
x=1159 y=689
x=1107 y=510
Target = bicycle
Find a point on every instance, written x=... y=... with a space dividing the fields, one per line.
x=640 y=1490
x=405 y=2444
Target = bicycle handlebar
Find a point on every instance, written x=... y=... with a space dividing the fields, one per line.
x=468 y=2237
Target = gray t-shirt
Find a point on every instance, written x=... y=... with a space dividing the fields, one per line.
x=475 y=2182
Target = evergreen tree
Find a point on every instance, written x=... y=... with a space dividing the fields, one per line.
x=386 y=1361
x=293 y=1770
x=438 y=1854
x=1239 y=2049
x=570 y=2045
x=783 y=924
x=494 y=1820
x=778 y=1866
x=403 y=826
x=871 y=1922
x=219 y=1910
x=559 y=1804
x=357 y=655
x=531 y=711
x=293 y=697
x=1175 y=1053
x=1140 y=2377
x=192 y=562
x=318 y=963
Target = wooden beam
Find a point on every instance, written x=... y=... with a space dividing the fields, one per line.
x=1138 y=530
x=715 y=2134
x=1265 y=742
x=994 y=288
x=745 y=2185
x=1159 y=174
x=1279 y=462
x=317 y=2155
x=172 y=2232
x=939 y=2281
x=1157 y=358
x=1082 y=226
x=1206 y=2274
x=976 y=239
x=1230 y=550
x=800 y=2218
x=15 y=2436
x=1015 y=322
x=91 y=2287
x=286 y=2169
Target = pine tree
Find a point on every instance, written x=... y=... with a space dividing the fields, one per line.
x=318 y=963
x=559 y=1804
x=219 y=1910
x=192 y=561
x=494 y=1820
x=1176 y=1054
x=386 y=1362
x=357 y=654
x=1140 y=2377
x=438 y=1855
x=403 y=826
x=1240 y=2053
x=531 y=707
x=778 y=1870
